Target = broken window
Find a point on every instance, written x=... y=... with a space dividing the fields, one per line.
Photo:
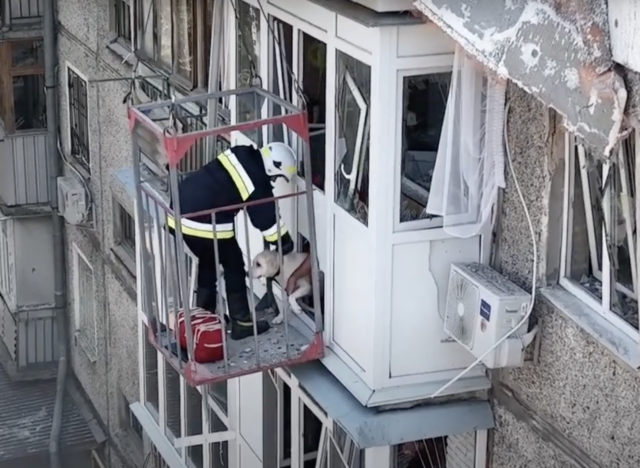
x=313 y=73
x=428 y=453
x=600 y=239
x=310 y=81
x=424 y=102
x=22 y=97
x=352 y=135
x=248 y=107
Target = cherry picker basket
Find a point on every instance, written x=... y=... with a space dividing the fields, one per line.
x=165 y=132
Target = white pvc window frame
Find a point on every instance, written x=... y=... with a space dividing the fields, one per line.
x=299 y=400
x=88 y=339
x=575 y=152
x=356 y=174
x=441 y=64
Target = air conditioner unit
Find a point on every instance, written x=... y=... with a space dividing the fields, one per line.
x=72 y=199
x=385 y=6
x=96 y=461
x=482 y=307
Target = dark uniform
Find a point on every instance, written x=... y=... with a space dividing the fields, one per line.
x=235 y=176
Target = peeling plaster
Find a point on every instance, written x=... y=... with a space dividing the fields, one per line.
x=557 y=51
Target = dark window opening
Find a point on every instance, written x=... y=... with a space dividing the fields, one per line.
x=311 y=429
x=29 y=102
x=424 y=100
x=22 y=96
x=426 y=453
x=78 y=118
x=124 y=233
x=307 y=302
x=152 y=396
x=314 y=85
x=122 y=17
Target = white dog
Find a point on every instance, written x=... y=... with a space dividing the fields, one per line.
x=266 y=265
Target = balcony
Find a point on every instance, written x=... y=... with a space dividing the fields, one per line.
x=376 y=87
x=167 y=270
x=24 y=164
x=28 y=326
x=24 y=170
x=20 y=12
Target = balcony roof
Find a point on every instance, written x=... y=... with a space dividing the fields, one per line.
x=370 y=427
x=558 y=51
x=26 y=416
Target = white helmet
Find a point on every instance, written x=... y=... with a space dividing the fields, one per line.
x=279 y=160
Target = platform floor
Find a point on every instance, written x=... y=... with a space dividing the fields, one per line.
x=276 y=347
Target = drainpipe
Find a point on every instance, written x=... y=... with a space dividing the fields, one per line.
x=51 y=88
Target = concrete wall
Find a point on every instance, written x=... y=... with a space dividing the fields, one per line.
x=82 y=41
x=577 y=406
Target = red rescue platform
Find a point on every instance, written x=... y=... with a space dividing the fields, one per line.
x=196 y=342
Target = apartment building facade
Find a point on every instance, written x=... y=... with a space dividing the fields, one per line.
x=572 y=401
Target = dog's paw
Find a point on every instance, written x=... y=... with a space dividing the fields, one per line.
x=279 y=318
x=295 y=307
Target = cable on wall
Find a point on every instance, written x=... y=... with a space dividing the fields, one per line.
x=534 y=245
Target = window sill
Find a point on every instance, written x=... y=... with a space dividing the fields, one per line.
x=78 y=168
x=120 y=49
x=125 y=259
x=83 y=342
x=619 y=344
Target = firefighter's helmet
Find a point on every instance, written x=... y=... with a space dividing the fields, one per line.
x=279 y=160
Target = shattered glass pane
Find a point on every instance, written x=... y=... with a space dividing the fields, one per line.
x=424 y=104
x=352 y=144
x=603 y=231
x=426 y=453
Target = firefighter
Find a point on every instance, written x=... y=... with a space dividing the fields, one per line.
x=238 y=175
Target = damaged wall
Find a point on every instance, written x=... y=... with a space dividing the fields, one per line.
x=559 y=51
x=577 y=406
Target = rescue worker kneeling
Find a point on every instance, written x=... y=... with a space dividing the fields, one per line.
x=240 y=174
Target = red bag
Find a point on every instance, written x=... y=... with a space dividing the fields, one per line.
x=207 y=335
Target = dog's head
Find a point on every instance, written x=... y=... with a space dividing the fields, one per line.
x=265 y=264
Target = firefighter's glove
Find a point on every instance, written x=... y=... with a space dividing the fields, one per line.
x=287 y=244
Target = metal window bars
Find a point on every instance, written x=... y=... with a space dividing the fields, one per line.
x=169 y=271
x=20 y=10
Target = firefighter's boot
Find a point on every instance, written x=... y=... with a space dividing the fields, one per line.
x=241 y=321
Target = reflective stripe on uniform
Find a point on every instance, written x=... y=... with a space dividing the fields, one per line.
x=240 y=177
x=272 y=234
x=203 y=230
